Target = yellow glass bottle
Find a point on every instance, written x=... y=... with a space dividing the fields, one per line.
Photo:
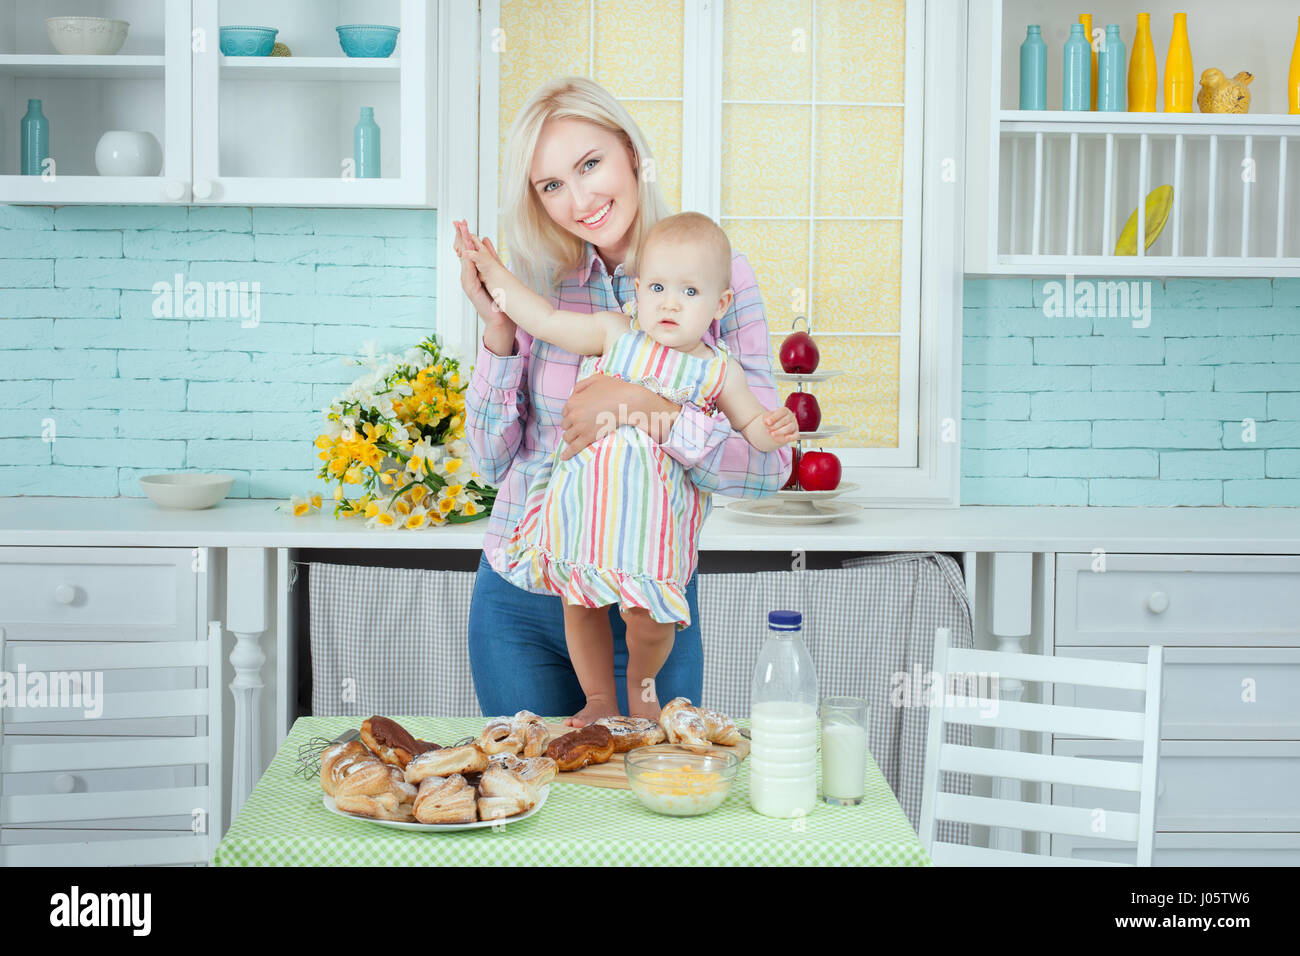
x=1179 y=80
x=1293 y=78
x=1142 y=69
x=1086 y=20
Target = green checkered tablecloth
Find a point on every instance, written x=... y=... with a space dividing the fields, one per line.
x=283 y=823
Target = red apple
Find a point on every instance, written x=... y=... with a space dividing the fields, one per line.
x=792 y=481
x=799 y=355
x=806 y=410
x=819 y=471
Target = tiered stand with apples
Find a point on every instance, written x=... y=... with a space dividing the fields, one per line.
x=815 y=475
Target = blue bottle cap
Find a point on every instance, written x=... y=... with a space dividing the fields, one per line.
x=784 y=620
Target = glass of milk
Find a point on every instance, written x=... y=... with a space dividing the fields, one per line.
x=844 y=750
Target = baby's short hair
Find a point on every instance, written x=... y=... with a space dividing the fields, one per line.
x=693 y=227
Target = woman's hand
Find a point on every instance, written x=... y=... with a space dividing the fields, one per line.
x=499 y=330
x=600 y=403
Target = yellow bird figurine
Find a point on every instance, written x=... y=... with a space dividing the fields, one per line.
x=1222 y=95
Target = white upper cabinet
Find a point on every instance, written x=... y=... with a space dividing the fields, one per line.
x=238 y=130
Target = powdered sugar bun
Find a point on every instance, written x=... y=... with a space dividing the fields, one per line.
x=632 y=732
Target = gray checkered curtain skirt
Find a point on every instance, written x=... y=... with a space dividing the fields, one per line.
x=390 y=641
x=868 y=625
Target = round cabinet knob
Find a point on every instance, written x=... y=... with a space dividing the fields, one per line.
x=202 y=189
x=65 y=783
x=174 y=190
x=65 y=594
x=1157 y=602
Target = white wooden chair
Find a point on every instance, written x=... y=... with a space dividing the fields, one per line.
x=1118 y=825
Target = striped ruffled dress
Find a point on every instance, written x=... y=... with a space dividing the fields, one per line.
x=619 y=522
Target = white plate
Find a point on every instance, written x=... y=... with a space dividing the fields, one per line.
x=826 y=431
x=795 y=494
x=439 y=827
x=794 y=512
x=810 y=377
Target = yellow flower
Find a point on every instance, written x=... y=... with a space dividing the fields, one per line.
x=385 y=519
x=338 y=494
x=470 y=510
x=417 y=493
x=452 y=465
x=451 y=491
x=372 y=509
x=445 y=505
x=315 y=499
x=402 y=506
x=416 y=520
x=300 y=506
x=353 y=476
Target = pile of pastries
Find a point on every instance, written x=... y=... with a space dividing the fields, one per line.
x=390 y=775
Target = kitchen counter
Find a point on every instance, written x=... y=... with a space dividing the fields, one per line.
x=255 y=523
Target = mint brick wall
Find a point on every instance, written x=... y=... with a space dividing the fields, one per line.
x=1091 y=410
x=125 y=392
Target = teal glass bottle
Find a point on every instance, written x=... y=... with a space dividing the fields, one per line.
x=1033 y=70
x=35 y=140
x=1076 y=79
x=365 y=145
x=1112 y=66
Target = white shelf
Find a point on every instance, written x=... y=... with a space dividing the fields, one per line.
x=1203 y=124
x=312 y=68
x=56 y=66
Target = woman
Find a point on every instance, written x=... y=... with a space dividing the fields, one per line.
x=575 y=210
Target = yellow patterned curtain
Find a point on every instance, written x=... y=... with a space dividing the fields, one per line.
x=812 y=158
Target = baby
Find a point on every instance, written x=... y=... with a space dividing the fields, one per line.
x=619 y=522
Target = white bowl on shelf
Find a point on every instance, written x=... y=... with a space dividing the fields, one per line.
x=127 y=152
x=86 y=36
x=190 y=491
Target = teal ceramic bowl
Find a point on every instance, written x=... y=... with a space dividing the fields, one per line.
x=367 y=39
x=247 y=41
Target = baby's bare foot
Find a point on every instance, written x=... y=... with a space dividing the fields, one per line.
x=596 y=707
x=647 y=709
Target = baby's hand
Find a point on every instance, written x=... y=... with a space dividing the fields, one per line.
x=782 y=425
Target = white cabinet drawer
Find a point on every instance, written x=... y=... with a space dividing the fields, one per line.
x=99 y=594
x=1178 y=599
x=1225 y=693
x=1203 y=784
x=1192 y=849
x=91 y=847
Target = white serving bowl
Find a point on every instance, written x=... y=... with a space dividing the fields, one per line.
x=126 y=152
x=188 y=490
x=81 y=36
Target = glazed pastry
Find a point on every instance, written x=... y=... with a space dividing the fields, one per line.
x=685 y=724
x=632 y=732
x=374 y=789
x=538 y=771
x=536 y=736
x=445 y=762
x=501 y=736
x=391 y=742
x=523 y=733
x=445 y=800
x=503 y=793
x=592 y=744
x=339 y=760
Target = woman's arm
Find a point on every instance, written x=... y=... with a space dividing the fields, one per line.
x=496 y=406
x=718 y=457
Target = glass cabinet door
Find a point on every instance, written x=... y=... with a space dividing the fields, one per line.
x=114 y=95
x=282 y=128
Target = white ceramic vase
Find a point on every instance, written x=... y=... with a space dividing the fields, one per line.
x=123 y=152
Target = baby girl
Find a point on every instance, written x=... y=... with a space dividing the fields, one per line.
x=619 y=522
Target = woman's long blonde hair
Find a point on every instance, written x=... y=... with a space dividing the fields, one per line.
x=541 y=252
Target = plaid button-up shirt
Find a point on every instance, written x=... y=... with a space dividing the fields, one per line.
x=515 y=402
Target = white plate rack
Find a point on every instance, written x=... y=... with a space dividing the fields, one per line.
x=1048 y=192
x=1068 y=185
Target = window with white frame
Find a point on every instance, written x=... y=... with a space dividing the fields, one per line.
x=797 y=125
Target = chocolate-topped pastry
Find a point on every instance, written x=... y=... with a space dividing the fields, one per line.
x=632 y=732
x=391 y=742
x=592 y=744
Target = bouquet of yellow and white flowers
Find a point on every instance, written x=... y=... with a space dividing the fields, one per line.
x=398 y=432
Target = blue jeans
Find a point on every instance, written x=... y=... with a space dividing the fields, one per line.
x=520 y=661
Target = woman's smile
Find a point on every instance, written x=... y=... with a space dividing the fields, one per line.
x=598 y=218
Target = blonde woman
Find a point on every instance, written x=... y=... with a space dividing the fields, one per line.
x=576 y=207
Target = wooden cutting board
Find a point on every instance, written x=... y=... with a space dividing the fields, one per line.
x=612 y=773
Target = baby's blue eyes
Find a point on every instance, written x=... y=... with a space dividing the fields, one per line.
x=658 y=287
x=690 y=290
